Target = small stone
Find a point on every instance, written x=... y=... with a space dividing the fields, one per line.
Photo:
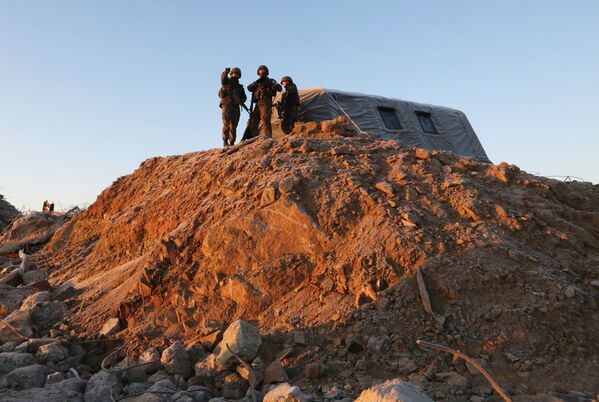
x=158 y=376
x=362 y=365
x=234 y=387
x=269 y=196
x=405 y=366
x=136 y=388
x=111 y=327
x=55 y=377
x=382 y=303
x=411 y=194
x=286 y=185
x=410 y=220
x=275 y=373
x=595 y=283
x=354 y=343
x=385 y=188
x=446 y=169
x=315 y=371
x=378 y=345
x=165 y=385
x=148 y=356
x=422 y=153
x=571 y=291
x=512 y=357
x=452 y=379
x=299 y=338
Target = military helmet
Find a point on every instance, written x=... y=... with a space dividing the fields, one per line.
x=263 y=67
x=236 y=70
x=286 y=79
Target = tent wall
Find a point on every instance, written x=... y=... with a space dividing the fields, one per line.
x=453 y=131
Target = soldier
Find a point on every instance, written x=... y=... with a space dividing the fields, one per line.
x=288 y=108
x=263 y=90
x=232 y=96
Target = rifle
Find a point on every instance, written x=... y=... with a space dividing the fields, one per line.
x=247 y=134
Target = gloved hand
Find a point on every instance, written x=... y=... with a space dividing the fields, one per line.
x=228 y=69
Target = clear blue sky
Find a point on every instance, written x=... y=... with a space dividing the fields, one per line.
x=89 y=89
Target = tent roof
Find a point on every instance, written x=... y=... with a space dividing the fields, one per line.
x=418 y=124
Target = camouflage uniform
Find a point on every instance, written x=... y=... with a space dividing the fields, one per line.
x=232 y=95
x=289 y=107
x=263 y=90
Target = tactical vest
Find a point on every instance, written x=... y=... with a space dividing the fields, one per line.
x=264 y=90
x=231 y=92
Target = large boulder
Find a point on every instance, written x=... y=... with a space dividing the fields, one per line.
x=393 y=391
x=284 y=392
x=176 y=360
x=34 y=299
x=103 y=386
x=12 y=360
x=33 y=376
x=243 y=338
x=70 y=390
x=52 y=352
x=45 y=315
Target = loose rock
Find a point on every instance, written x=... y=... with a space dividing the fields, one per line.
x=393 y=391
x=243 y=338
x=285 y=393
x=103 y=386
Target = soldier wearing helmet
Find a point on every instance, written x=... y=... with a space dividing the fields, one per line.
x=263 y=90
x=288 y=108
x=232 y=96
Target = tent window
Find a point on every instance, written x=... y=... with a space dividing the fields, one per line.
x=426 y=122
x=389 y=117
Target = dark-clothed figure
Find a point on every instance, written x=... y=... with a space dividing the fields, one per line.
x=289 y=106
x=263 y=90
x=232 y=95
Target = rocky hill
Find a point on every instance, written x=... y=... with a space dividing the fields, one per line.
x=316 y=238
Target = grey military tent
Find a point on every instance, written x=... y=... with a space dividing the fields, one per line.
x=414 y=124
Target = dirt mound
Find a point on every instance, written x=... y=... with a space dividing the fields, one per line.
x=322 y=234
x=30 y=230
x=7 y=212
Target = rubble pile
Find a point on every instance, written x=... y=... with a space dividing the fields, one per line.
x=306 y=267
